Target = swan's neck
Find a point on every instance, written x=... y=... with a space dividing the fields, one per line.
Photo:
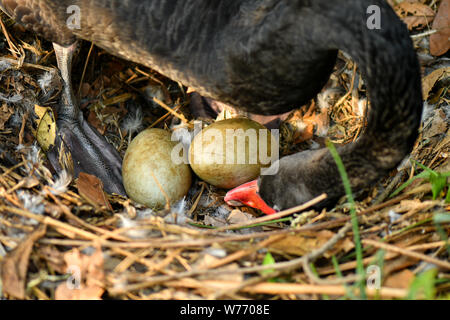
x=391 y=71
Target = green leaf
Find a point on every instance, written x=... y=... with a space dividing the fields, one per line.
x=447 y=198
x=268 y=260
x=422 y=175
x=441 y=218
x=438 y=181
x=423 y=286
x=438 y=184
x=424 y=167
x=354 y=218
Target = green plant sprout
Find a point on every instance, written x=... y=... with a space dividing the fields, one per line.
x=438 y=181
x=423 y=286
x=356 y=236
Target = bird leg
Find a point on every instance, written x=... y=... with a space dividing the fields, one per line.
x=90 y=152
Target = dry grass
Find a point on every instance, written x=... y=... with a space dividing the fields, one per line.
x=128 y=252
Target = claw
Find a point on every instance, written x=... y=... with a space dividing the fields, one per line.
x=89 y=150
x=247 y=194
x=90 y=153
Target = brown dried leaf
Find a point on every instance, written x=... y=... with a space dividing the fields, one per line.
x=207 y=260
x=415 y=9
x=46 y=129
x=400 y=280
x=237 y=217
x=5 y=114
x=15 y=264
x=85 y=90
x=430 y=80
x=440 y=41
x=91 y=189
x=437 y=125
x=410 y=205
x=216 y=222
x=305 y=243
x=63 y=292
x=53 y=258
x=415 y=14
x=96 y=123
x=416 y=22
x=91 y=272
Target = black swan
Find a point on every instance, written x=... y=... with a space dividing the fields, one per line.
x=266 y=56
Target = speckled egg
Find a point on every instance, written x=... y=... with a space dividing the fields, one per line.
x=228 y=153
x=148 y=167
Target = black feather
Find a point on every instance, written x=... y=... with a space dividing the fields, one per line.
x=266 y=56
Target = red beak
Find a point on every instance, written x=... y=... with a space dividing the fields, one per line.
x=247 y=194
